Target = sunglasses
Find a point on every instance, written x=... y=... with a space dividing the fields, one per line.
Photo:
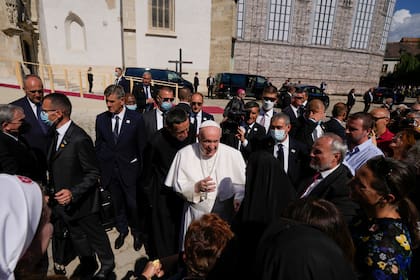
x=377 y=119
x=272 y=99
x=36 y=91
x=196 y=103
x=168 y=99
x=298 y=97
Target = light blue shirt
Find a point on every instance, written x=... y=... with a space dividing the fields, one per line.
x=360 y=154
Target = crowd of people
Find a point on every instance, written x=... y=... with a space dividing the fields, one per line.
x=265 y=194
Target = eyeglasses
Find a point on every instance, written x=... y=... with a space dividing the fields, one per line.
x=272 y=99
x=37 y=91
x=379 y=118
x=168 y=99
x=196 y=103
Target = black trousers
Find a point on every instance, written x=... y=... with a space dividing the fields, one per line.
x=367 y=106
x=88 y=237
x=125 y=205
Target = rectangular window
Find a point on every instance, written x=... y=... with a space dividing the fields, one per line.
x=362 y=24
x=389 y=7
x=240 y=19
x=384 y=68
x=279 y=18
x=161 y=15
x=323 y=22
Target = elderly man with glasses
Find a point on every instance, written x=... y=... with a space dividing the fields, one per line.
x=37 y=132
x=197 y=115
x=381 y=117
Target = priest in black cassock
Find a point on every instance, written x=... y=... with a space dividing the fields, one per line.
x=163 y=206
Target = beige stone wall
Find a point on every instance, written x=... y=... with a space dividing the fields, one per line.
x=223 y=28
x=339 y=66
x=129 y=23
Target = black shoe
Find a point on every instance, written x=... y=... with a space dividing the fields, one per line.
x=104 y=272
x=120 y=240
x=59 y=269
x=86 y=268
x=138 y=242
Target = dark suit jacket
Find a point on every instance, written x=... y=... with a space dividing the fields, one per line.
x=125 y=84
x=206 y=117
x=304 y=129
x=298 y=161
x=38 y=139
x=74 y=166
x=350 y=100
x=126 y=154
x=335 y=127
x=16 y=158
x=334 y=188
x=140 y=95
x=150 y=123
x=293 y=120
x=257 y=132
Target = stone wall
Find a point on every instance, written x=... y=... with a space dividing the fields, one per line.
x=341 y=67
x=223 y=28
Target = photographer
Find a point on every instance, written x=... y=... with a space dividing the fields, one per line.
x=234 y=119
x=251 y=130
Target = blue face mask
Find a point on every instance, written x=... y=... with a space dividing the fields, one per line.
x=166 y=106
x=44 y=118
x=278 y=134
x=131 y=107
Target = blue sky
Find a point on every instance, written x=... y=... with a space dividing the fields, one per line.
x=406 y=20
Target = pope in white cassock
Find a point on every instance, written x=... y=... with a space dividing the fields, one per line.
x=209 y=175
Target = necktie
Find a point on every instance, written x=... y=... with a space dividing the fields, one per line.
x=195 y=123
x=300 y=111
x=115 y=132
x=54 y=144
x=163 y=119
x=280 y=155
x=146 y=90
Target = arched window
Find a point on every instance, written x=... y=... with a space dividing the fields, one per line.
x=75 y=33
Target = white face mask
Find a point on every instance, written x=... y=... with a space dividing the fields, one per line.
x=268 y=105
x=278 y=134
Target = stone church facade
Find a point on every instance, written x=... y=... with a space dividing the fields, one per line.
x=339 y=42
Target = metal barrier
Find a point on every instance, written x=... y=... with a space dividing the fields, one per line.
x=57 y=77
x=68 y=77
x=133 y=79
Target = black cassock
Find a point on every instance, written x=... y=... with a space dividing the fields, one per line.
x=164 y=207
x=268 y=191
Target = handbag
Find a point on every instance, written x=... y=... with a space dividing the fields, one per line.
x=106 y=209
x=62 y=247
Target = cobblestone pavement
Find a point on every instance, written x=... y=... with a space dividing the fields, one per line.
x=84 y=112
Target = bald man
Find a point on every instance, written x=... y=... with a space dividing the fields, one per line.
x=381 y=118
x=309 y=126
